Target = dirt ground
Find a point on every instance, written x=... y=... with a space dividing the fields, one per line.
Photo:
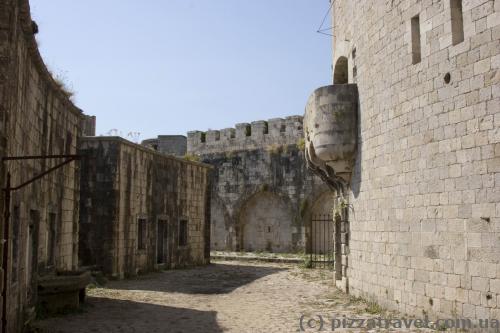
x=222 y=297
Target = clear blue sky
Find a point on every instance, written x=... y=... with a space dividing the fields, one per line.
x=171 y=66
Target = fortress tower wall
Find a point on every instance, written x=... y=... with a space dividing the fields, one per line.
x=37 y=118
x=425 y=222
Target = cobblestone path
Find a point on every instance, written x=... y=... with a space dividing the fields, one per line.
x=222 y=297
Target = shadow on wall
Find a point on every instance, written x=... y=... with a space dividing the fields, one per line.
x=356 y=173
x=206 y=280
x=112 y=315
x=220 y=235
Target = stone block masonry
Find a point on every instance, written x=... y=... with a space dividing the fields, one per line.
x=246 y=136
x=37 y=117
x=160 y=224
x=168 y=144
x=141 y=210
x=263 y=196
x=425 y=228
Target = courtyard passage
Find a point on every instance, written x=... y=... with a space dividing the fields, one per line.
x=226 y=296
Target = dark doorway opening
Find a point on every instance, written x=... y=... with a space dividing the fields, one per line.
x=161 y=243
x=32 y=256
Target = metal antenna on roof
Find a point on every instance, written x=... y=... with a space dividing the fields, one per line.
x=326 y=31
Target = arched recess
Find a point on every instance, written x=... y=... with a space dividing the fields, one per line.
x=341 y=71
x=322 y=224
x=266 y=224
x=219 y=231
x=324 y=203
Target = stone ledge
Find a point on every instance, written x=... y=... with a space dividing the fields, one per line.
x=257 y=258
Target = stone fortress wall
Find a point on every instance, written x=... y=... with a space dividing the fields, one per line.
x=133 y=203
x=263 y=195
x=43 y=220
x=37 y=117
x=247 y=136
x=424 y=232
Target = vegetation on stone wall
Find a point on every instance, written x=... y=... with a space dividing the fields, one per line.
x=303 y=207
x=275 y=149
x=230 y=154
x=301 y=144
x=192 y=158
x=64 y=88
x=62 y=83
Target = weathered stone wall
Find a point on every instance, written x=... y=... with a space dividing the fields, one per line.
x=262 y=192
x=175 y=145
x=258 y=134
x=123 y=182
x=425 y=194
x=37 y=118
x=88 y=125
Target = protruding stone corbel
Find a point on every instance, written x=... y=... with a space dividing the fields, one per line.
x=330 y=129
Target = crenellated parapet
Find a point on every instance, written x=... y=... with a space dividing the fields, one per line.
x=246 y=136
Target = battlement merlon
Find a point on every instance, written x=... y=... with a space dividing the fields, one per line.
x=246 y=136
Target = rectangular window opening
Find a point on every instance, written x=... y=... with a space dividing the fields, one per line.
x=51 y=239
x=457 y=22
x=141 y=234
x=183 y=232
x=415 y=40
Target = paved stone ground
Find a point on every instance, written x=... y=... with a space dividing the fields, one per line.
x=289 y=258
x=223 y=297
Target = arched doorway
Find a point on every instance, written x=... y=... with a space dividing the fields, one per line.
x=322 y=225
x=341 y=71
x=266 y=224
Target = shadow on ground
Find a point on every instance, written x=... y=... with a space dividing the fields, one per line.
x=111 y=315
x=208 y=280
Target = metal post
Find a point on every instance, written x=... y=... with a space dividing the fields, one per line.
x=310 y=240
x=314 y=243
x=6 y=231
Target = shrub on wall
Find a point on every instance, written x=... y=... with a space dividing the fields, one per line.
x=192 y=158
x=301 y=144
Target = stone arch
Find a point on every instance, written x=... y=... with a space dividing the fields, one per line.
x=309 y=204
x=341 y=71
x=323 y=203
x=265 y=223
x=219 y=230
x=322 y=223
